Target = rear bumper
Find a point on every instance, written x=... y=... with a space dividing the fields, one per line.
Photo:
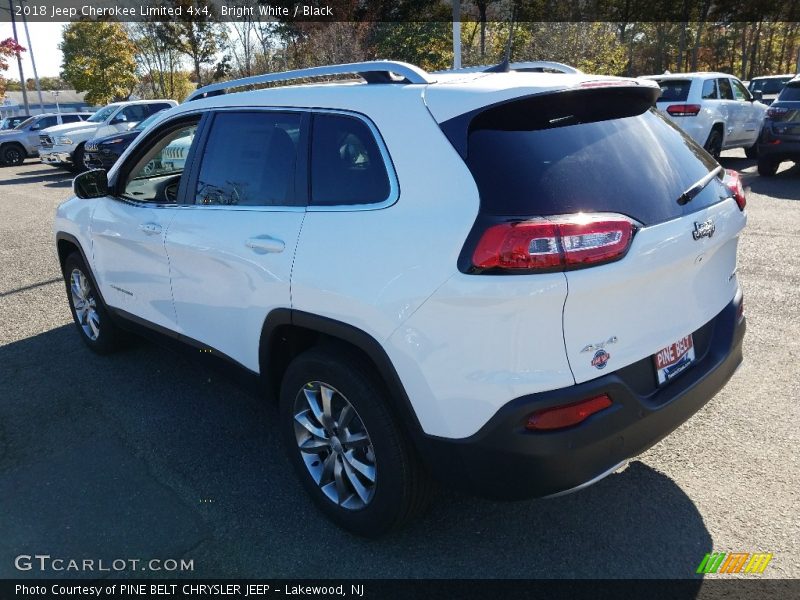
x=782 y=151
x=504 y=460
x=55 y=158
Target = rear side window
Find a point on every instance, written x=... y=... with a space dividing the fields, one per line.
x=70 y=118
x=709 y=89
x=674 y=90
x=791 y=93
x=347 y=167
x=249 y=160
x=550 y=156
x=154 y=108
x=725 y=90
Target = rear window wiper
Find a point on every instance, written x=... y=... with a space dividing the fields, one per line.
x=698 y=187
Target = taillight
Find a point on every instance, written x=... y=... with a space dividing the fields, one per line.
x=734 y=182
x=777 y=111
x=683 y=110
x=567 y=416
x=556 y=243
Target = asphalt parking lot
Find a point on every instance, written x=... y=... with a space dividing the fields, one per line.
x=151 y=453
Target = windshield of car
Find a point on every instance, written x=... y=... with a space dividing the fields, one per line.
x=674 y=90
x=25 y=123
x=102 y=114
x=141 y=126
x=769 y=86
x=791 y=93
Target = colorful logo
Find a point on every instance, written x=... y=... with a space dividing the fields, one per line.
x=600 y=359
x=734 y=562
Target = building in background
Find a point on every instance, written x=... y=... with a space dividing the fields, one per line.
x=63 y=101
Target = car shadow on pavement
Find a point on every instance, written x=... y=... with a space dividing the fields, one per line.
x=155 y=453
x=50 y=179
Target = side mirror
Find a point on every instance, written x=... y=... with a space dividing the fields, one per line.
x=91 y=184
x=757 y=95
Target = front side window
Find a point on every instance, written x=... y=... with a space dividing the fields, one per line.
x=249 y=160
x=739 y=91
x=347 y=167
x=70 y=118
x=725 y=90
x=157 y=175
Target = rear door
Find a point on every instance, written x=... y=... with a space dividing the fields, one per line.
x=231 y=246
x=568 y=157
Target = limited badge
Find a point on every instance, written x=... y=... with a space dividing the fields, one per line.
x=600 y=359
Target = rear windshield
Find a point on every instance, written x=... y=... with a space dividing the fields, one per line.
x=567 y=153
x=791 y=93
x=768 y=86
x=674 y=90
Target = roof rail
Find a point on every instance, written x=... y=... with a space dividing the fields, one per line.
x=375 y=71
x=538 y=66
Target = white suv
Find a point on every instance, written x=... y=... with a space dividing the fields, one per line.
x=511 y=282
x=715 y=109
x=63 y=145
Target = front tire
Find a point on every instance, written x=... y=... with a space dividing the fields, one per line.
x=346 y=446
x=91 y=316
x=767 y=167
x=12 y=155
x=77 y=160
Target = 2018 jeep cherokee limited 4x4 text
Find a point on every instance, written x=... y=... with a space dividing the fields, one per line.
x=510 y=282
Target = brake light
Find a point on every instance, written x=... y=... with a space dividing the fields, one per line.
x=567 y=416
x=734 y=182
x=683 y=110
x=777 y=111
x=567 y=242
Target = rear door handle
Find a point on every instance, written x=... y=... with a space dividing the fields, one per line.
x=150 y=228
x=264 y=244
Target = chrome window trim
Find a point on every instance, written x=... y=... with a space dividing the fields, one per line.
x=391 y=173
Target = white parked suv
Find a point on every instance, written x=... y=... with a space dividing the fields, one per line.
x=63 y=145
x=715 y=109
x=509 y=282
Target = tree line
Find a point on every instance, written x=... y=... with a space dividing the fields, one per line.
x=113 y=61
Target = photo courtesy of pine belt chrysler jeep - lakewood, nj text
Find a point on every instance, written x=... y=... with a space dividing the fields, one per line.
x=510 y=282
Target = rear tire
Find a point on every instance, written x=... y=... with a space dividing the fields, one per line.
x=713 y=144
x=767 y=167
x=94 y=323
x=345 y=444
x=12 y=155
x=752 y=151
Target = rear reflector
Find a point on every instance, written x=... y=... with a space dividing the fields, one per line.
x=683 y=110
x=567 y=416
x=567 y=242
x=734 y=182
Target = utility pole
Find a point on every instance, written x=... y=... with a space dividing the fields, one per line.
x=456 y=34
x=19 y=59
x=33 y=63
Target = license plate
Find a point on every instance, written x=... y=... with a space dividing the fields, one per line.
x=674 y=359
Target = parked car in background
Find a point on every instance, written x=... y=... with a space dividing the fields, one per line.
x=715 y=109
x=23 y=141
x=11 y=122
x=529 y=313
x=64 y=145
x=767 y=88
x=780 y=136
x=102 y=153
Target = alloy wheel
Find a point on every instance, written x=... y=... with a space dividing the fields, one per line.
x=334 y=445
x=85 y=304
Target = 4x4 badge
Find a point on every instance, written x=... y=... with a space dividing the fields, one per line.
x=705 y=229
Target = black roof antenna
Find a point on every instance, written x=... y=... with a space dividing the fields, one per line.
x=505 y=65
